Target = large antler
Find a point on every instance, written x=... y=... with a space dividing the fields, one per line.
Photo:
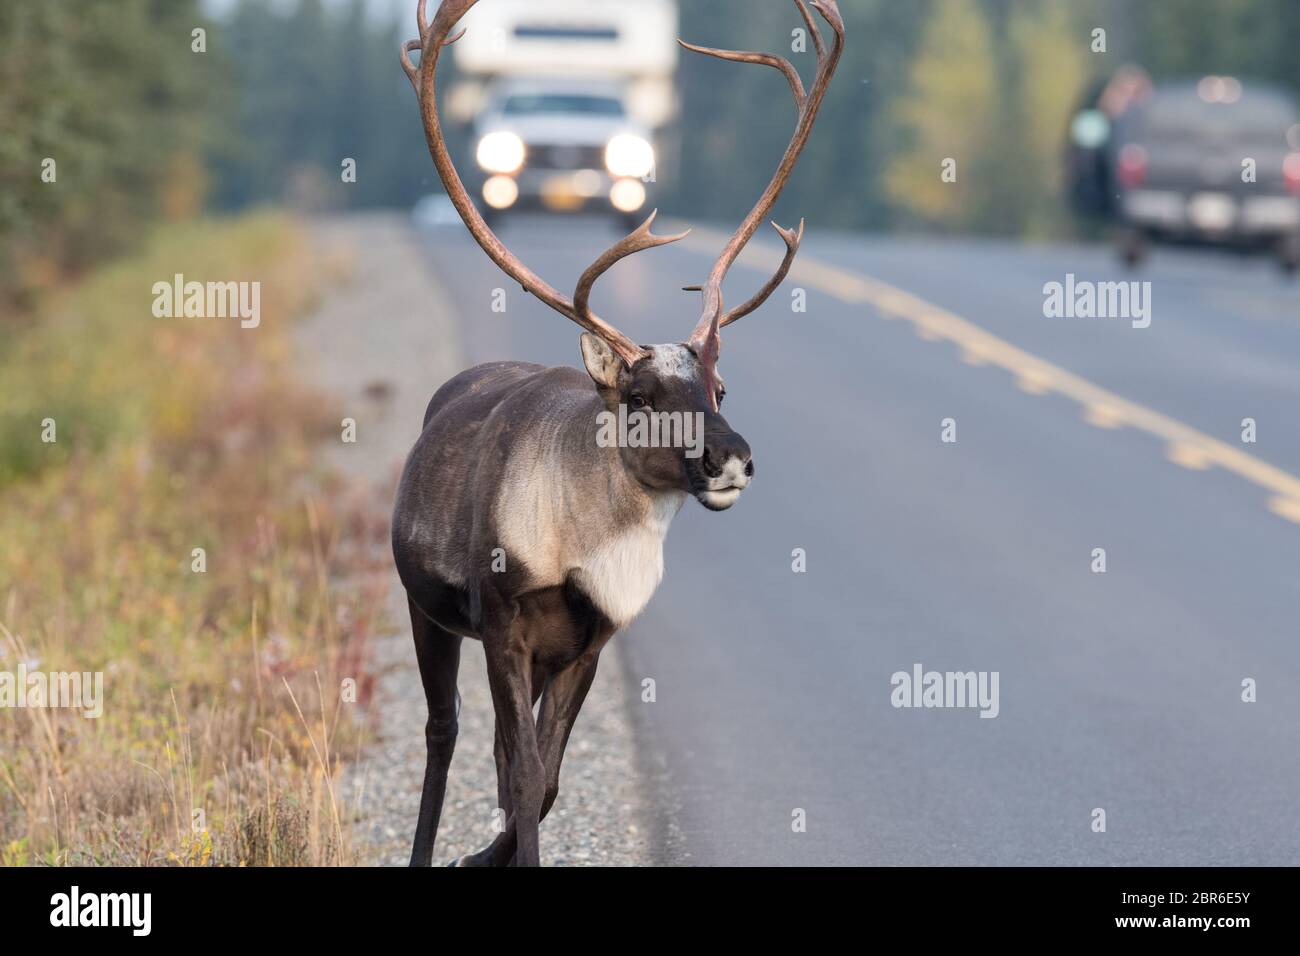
x=433 y=37
x=705 y=338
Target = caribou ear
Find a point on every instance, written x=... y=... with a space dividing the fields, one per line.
x=603 y=364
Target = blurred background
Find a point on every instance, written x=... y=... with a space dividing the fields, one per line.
x=289 y=87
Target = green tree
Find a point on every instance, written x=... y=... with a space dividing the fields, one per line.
x=945 y=114
x=991 y=88
x=114 y=95
x=1051 y=47
x=319 y=83
x=737 y=119
x=1249 y=38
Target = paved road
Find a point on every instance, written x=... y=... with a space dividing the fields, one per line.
x=1119 y=691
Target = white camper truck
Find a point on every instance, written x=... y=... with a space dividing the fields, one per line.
x=569 y=102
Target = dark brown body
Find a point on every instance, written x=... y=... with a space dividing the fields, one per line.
x=464 y=580
x=438 y=520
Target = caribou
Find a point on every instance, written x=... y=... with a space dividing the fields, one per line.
x=514 y=526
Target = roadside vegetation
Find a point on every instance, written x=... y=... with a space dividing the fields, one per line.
x=225 y=713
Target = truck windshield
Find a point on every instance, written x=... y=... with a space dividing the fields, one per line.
x=520 y=104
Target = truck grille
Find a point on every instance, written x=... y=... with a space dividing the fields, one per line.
x=551 y=156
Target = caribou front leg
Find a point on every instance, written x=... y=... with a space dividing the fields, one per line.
x=501 y=851
x=510 y=679
x=561 y=703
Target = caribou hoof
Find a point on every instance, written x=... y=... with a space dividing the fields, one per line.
x=472 y=859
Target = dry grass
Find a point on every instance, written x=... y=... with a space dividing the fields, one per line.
x=223 y=721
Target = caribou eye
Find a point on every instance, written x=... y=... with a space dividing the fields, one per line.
x=638 y=401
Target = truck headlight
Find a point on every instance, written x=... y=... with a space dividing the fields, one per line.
x=628 y=155
x=500 y=192
x=627 y=195
x=500 y=152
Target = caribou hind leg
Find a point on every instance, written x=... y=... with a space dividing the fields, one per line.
x=501 y=851
x=560 y=706
x=438 y=653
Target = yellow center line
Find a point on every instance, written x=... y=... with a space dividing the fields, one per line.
x=1185 y=445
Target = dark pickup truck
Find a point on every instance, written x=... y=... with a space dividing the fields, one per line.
x=1214 y=160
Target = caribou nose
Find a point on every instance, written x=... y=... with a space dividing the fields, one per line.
x=729 y=455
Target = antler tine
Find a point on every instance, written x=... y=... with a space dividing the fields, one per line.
x=766 y=59
x=792 y=239
x=704 y=339
x=638 y=240
x=818 y=43
x=412 y=71
x=433 y=37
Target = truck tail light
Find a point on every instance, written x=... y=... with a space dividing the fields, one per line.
x=1291 y=173
x=1132 y=166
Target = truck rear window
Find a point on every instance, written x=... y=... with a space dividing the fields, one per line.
x=1186 y=118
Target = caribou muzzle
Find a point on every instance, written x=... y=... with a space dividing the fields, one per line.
x=724 y=470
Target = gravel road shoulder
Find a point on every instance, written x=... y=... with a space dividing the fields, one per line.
x=381 y=342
